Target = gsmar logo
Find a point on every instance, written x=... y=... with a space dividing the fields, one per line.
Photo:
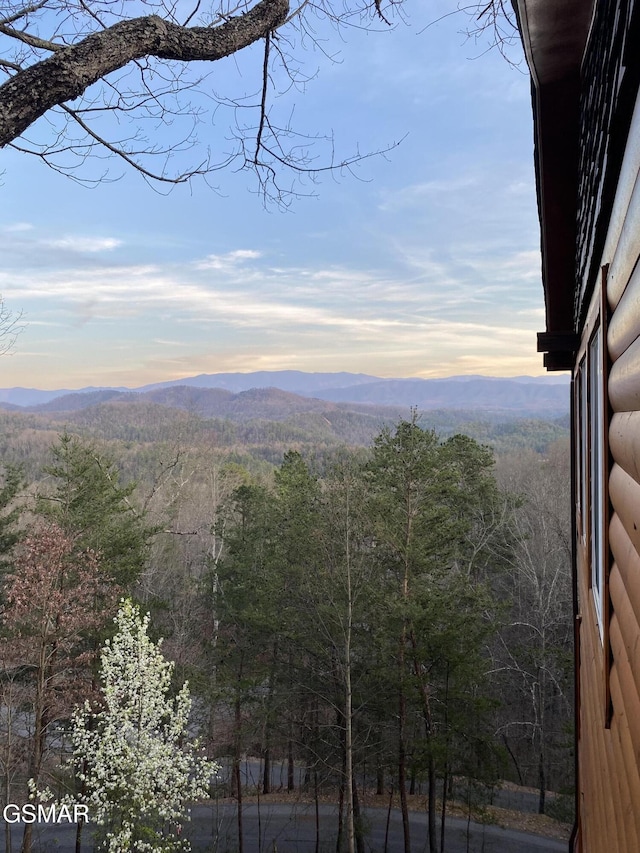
x=50 y=813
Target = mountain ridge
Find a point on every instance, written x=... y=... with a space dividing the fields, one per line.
x=522 y=394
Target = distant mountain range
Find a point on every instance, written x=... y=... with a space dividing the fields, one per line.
x=280 y=393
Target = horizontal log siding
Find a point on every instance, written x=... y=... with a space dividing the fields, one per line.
x=624 y=493
x=623 y=327
x=627 y=250
x=630 y=712
x=610 y=757
x=631 y=759
x=627 y=781
x=629 y=630
x=624 y=441
x=625 y=644
x=609 y=749
x=595 y=783
x=627 y=563
x=624 y=380
x=624 y=192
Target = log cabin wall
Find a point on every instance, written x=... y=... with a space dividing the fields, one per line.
x=608 y=87
x=584 y=57
x=607 y=448
x=606 y=408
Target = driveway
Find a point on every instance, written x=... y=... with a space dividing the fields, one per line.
x=291 y=828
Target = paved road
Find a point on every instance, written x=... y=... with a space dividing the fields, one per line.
x=519 y=799
x=284 y=828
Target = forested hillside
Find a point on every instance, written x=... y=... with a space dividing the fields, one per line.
x=384 y=608
x=542 y=396
x=261 y=424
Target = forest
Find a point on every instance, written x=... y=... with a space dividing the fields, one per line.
x=382 y=621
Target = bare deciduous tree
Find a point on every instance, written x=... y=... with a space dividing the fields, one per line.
x=107 y=77
x=534 y=658
x=10 y=327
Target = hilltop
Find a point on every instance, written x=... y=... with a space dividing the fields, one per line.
x=522 y=396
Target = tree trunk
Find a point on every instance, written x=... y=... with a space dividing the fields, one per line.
x=266 y=772
x=7 y=767
x=317 y=808
x=402 y=771
x=542 y=782
x=39 y=736
x=340 y=810
x=266 y=754
x=428 y=726
x=237 y=752
x=445 y=774
x=348 y=716
x=443 y=810
x=433 y=838
x=513 y=758
x=388 y=823
x=83 y=789
x=402 y=706
x=290 y=763
x=359 y=836
x=238 y=787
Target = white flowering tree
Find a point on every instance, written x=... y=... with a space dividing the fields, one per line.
x=138 y=769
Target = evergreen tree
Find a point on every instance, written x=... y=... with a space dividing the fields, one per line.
x=425 y=499
x=10 y=485
x=88 y=502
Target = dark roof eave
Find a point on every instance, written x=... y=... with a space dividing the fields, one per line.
x=554 y=35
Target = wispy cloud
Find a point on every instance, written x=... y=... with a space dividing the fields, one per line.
x=89 y=245
x=17 y=227
x=228 y=260
x=420 y=194
x=431 y=268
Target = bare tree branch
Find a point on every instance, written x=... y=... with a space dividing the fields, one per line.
x=31 y=40
x=22 y=13
x=66 y=75
x=11 y=325
x=80 y=66
x=202 y=169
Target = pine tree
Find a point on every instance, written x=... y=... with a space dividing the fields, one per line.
x=427 y=502
x=10 y=485
x=89 y=502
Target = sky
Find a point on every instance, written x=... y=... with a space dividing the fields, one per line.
x=421 y=261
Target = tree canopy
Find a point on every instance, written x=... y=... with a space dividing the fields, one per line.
x=134 y=80
x=93 y=65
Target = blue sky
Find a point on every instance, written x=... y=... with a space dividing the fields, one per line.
x=424 y=264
